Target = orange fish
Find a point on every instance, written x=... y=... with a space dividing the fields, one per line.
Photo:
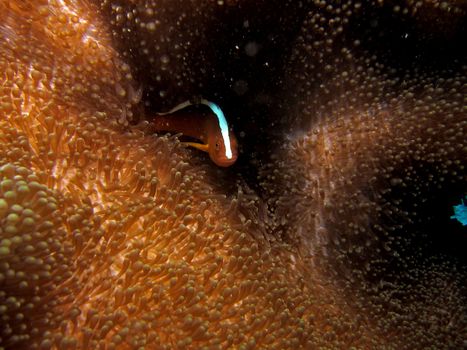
x=210 y=128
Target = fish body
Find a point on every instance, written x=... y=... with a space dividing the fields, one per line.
x=209 y=127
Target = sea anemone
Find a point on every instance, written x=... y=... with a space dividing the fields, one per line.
x=329 y=233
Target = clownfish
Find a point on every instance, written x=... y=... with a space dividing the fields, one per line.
x=209 y=127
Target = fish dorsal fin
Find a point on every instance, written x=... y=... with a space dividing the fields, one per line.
x=178 y=107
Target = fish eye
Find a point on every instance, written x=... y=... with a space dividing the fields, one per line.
x=218 y=146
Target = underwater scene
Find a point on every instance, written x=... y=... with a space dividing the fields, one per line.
x=233 y=174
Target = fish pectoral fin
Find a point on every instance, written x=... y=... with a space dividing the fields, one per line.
x=200 y=146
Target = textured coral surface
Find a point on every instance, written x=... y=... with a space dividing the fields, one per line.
x=333 y=231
